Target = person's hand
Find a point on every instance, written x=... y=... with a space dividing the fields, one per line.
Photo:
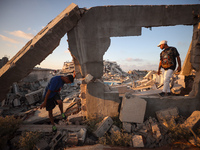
x=158 y=72
x=42 y=105
x=178 y=69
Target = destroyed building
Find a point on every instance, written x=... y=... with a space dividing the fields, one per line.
x=86 y=31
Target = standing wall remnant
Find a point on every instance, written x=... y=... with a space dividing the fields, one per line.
x=90 y=39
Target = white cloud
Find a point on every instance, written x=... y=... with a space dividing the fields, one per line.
x=9 y=39
x=131 y=59
x=22 y=34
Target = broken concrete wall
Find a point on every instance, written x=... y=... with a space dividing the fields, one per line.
x=37 y=49
x=90 y=39
x=195 y=59
x=101 y=103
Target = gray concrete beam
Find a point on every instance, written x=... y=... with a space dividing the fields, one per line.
x=37 y=49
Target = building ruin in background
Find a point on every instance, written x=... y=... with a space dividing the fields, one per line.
x=89 y=33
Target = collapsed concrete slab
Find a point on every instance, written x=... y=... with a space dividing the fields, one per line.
x=48 y=128
x=37 y=49
x=137 y=141
x=42 y=114
x=103 y=127
x=132 y=109
x=193 y=120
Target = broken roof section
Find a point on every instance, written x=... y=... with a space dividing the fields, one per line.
x=37 y=49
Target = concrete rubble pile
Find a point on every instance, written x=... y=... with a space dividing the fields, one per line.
x=148 y=132
x=68 y=67
x=153 y=132
x=179 y=84
x=113 y=72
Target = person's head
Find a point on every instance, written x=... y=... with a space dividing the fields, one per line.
x=68 y=79
x=163 y=44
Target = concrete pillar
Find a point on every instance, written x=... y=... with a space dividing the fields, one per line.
x=195 y=60
x=187 y=66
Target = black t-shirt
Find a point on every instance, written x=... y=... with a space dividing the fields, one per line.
x=168 y=58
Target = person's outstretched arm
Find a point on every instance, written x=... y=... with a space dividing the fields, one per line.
x=45 y=99
x=159 y=67
x=179 y=64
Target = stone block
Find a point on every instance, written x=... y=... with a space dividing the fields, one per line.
x=167 y=116
x=156 y=131
x=127 y=127
x=82 y=135
x=103 y=127
x=133 y=109
x=34 y=96
x=193 y=121
x=113 y=129
x=137 y=141
x=88 y=78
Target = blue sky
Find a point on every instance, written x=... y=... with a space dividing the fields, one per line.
x=21 y=20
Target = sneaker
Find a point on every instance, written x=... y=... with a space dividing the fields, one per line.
x=63 y=116
x=54 y=129
x=162 y=94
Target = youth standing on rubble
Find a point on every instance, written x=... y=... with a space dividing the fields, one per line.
x=52 y=96
x=168 y=63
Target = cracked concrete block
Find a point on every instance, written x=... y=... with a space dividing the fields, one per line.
x=82 y=135
x=88 y=78
x=103 y=127
x=127 y=127
x=133 y=109
x=167 y=116
x=34 y=96
x=59 y=135
x=193 y=121
x=137 y=141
